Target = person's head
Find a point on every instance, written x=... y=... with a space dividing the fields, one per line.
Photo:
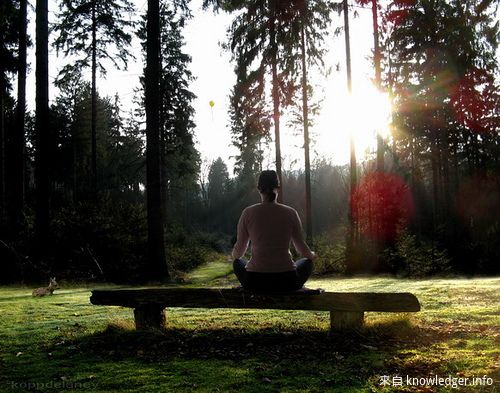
x=268 y=185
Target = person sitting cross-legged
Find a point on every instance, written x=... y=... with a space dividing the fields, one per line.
x=270 y=226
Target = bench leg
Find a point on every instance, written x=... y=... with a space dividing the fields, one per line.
x=346 y=320
x=149 y=317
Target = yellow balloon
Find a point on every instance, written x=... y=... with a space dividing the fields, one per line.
x=211 y=103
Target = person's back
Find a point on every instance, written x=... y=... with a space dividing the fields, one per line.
x=270 y=227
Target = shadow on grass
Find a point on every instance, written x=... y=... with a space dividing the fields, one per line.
x=249 y=359
x=301 y=343
x=246 y=359
x=369 y=350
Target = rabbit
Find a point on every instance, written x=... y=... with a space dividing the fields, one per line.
x=46 y=290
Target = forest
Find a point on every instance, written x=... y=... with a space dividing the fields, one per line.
x=93 y=191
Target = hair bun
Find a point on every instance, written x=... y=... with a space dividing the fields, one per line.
x=268 y=182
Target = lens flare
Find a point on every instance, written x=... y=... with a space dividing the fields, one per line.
x=362 y=114
x=382 y=206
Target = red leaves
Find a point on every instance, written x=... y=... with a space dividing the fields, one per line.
x=397 y=16
x=472 y=100
x=382 y=205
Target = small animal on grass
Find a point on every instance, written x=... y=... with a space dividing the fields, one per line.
x=46 y=290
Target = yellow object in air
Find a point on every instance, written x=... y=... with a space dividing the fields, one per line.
x=211 y=103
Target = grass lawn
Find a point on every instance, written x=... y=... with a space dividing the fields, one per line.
x=63 y=343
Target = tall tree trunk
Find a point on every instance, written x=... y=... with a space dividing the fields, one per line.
x=17 y=190
x=163 y=133
x=93 y=180
x=156 y=248
x=351 y=239
x=2 y=143
x=435 y=177
x=445 y=181
x=275 y=94
x=163 y=165
x=42 y=127
x=305 y=119
x=378 y=80
x=456 y=173
x=2 y=154
x=414 y=185
x=76 y=193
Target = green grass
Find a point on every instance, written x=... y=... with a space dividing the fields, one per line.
x=62 y=342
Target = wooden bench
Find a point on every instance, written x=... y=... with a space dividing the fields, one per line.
x=346 y=308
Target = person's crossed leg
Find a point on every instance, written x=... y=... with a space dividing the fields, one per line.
x=304 y=268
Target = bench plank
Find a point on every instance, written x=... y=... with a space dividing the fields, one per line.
x=237 y=298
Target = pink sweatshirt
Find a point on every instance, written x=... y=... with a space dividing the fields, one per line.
x=270 y=226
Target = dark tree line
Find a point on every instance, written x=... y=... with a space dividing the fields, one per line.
x=90 y=191
x=442 y=68
x=82 y=134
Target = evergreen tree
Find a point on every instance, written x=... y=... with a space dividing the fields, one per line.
x=42 y=128
x=120 y=153
x=16 y=192
x=443 y=71
x=73 y=109
x=218 y=180
x=377 y=60
x=219 y=197
x=256 y=37
x=310 y=21
x=131 y=175
x=264 y=39
x=250 y=124
x=180 y=160
x=352 y=231
x=156 y=262
x=9 y=38
x=90 y=28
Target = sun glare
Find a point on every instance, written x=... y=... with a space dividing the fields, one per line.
x=362 y=114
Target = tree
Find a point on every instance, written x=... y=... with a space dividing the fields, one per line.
x=250 y=125
x=443 y=70
x=273 y=59
x=305 y=111
x=310 y=21
x=156 y=262
x=132 y=161
x=378 y=80
x=256 y=38
x=16 y=198
x=42 y=126
x=218 y=180
x=8 y=41
x=179 y=158
x=265 y=37
x=377 y=65
x=120 y=153
x=351 y=237
x=71 y=107
x=88 y=28
x=219 y=197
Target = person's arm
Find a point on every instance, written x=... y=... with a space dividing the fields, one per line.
x=298 y=238
x=241 y=245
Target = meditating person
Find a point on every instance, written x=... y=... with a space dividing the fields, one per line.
x=270 y=226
